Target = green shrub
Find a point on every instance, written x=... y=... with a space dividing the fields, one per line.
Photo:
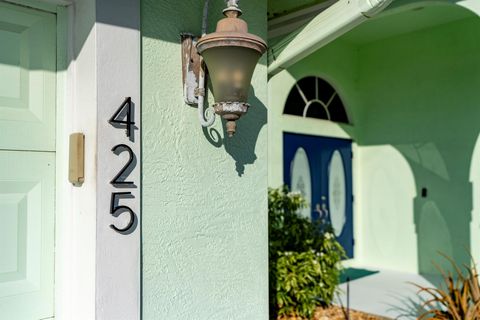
x=304 y=258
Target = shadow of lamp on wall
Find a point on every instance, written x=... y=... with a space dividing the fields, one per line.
x=230 y=54
x=242 y=148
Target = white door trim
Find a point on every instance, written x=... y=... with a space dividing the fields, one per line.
x=97 y=270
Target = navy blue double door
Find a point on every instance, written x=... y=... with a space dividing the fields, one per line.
x=321 y=169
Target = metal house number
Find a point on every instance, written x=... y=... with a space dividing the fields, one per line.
x=123 y=118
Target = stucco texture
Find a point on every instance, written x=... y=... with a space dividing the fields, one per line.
x=409 y=80
x=204 y=217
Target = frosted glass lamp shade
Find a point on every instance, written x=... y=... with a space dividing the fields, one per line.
x=231 y=70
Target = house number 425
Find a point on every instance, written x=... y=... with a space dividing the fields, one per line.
x=123 y=118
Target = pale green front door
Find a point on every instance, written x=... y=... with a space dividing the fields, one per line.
x=27 y=162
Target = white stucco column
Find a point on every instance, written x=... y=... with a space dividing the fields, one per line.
x=118 y=80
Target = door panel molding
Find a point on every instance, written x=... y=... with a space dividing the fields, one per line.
x=28 y=67
x=27 y=211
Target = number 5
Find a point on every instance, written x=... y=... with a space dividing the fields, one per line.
x=116 y=211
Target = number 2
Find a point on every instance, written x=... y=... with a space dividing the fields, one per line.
x=116 y=179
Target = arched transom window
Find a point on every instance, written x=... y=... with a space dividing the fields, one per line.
x=313 y=97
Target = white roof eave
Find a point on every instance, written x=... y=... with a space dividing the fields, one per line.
x=328 y=25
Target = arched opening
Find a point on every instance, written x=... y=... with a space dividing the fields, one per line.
x=417 y=80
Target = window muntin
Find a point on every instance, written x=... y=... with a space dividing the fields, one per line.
x=313 y=97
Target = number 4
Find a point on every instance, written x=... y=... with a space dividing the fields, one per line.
x=123 y=112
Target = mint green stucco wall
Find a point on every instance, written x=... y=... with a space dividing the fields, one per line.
x=204 y=197
x=414 y=100
x=427 y=105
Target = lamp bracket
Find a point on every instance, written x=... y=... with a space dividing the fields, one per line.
x=199 y=92
x=194 y=78
x=190 y=68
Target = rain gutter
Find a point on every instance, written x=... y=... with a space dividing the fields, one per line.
x=328 y=25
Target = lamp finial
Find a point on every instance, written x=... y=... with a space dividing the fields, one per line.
x=232 y=6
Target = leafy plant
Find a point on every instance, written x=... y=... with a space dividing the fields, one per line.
x=304 y=258
x=459 y=299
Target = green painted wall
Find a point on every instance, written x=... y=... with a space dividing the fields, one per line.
x=413 y=95
x=426 y=104
x=204 y=197
x=278 y=8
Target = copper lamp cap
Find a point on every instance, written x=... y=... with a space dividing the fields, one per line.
x=231 y=31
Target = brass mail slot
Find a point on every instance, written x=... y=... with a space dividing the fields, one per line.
x=76 y=170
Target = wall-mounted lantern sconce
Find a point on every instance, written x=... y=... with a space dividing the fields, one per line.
x=230 y=55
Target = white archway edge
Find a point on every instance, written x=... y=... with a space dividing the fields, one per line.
x=472 y=5
x=475 y=222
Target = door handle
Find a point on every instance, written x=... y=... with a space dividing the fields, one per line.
x=322 y=210
x=324 y=205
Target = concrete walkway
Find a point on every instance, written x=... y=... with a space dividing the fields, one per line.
x=386 y=293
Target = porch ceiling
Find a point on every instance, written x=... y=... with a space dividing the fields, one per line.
x=399 y=21
x=277 y=8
